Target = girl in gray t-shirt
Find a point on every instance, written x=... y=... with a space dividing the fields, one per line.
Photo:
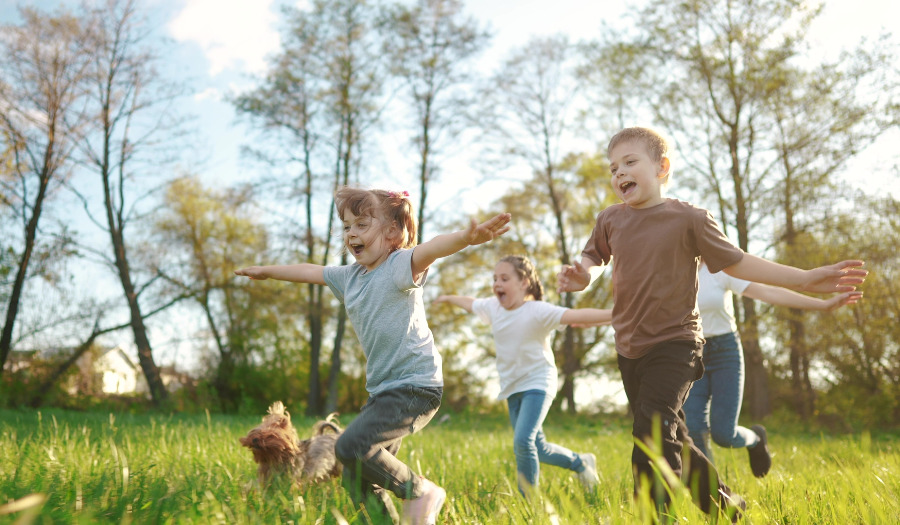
x=382 y=292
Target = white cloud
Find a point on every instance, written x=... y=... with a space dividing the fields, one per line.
x=232 y=33
x=209 y=94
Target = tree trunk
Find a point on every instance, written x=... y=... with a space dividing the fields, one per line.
x=571 y=365
x=801 y=386
x=314 y=321
x=12 y=308
x=756 y=384
x=334 y=374
x=145 y=354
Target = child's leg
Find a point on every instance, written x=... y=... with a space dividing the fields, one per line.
x=524 y=415
x=527 y=411
x=727 y=388
x=656 y=385
x=368 y=445
x=696 y=410
x=557 y=455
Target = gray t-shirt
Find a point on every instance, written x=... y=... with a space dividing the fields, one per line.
x=386 y=309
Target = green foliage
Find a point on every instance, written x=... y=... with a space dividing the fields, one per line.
x=854 y=350
x=97 y=467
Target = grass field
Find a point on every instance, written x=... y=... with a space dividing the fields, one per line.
x=72 y=467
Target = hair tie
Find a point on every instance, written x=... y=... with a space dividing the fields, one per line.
x=399 y=194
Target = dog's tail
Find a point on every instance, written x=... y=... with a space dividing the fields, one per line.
x=278 y=408
x=329 y=423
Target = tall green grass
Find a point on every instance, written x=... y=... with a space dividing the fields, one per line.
x=70 y=467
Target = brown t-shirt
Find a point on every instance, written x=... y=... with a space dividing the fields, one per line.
x=655 y=253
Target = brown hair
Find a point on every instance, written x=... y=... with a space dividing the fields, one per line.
x=525 y=270
x=656 y=144
x=394 y=207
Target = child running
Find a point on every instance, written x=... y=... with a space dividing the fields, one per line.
x=382 y=292
x=656 y=244
x=521 y=323
x=714 y=403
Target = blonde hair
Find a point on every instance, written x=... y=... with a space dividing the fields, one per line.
x=525 y=270
x=656 y=144
x=394 y=207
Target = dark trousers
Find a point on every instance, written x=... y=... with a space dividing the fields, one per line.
x=369 y=445
x=657 y=385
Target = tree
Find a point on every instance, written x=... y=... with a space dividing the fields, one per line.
x=823 y=118
x=720 y=77
x=131 y=105
x=288 y=106
x=41 y=116
x=852 y=357
x=207 y=234
x=429 y=44
x=322 y=95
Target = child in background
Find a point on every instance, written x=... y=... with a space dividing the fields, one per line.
x=656 y=244
x=382 y=292
x=714 y=402
x=521 y=324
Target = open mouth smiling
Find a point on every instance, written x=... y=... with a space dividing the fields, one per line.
x=627 y=186
x=356 y=248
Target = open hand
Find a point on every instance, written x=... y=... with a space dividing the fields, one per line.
x=253 y=272
x=843 y=299
x=838 y=277
x=572 y=278
x=487 y=230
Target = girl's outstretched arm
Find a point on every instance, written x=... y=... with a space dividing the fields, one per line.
x=783 y=297
x=838 y=277
x=449 y=243
x=295 y=273
x=461 y=301
x=584 y=317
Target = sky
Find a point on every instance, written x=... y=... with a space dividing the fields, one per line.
x=226 y=42
x=221 y=45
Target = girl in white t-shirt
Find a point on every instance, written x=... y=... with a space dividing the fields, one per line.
x=521 y=324
x=714 y=401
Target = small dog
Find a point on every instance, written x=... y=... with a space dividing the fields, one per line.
x=277 y=448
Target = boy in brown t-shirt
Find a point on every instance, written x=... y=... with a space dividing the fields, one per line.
x=657 y=243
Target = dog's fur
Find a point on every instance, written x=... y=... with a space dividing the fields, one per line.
x=277 y=448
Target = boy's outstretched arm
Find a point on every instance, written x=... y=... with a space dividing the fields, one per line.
x=295 y=273
x=838 y=277
x=449 y=243
x=461 y=301
x=575 y=277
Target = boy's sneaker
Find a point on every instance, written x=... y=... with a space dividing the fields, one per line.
x=760 y=458
x=424 y=509
x=588 y=477
x=733 y=505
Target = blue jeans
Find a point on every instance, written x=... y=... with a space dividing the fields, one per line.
x=527 y=411
x=714 y=402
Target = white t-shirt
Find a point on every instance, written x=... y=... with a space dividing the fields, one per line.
x=714 y=301
x=522 y=340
